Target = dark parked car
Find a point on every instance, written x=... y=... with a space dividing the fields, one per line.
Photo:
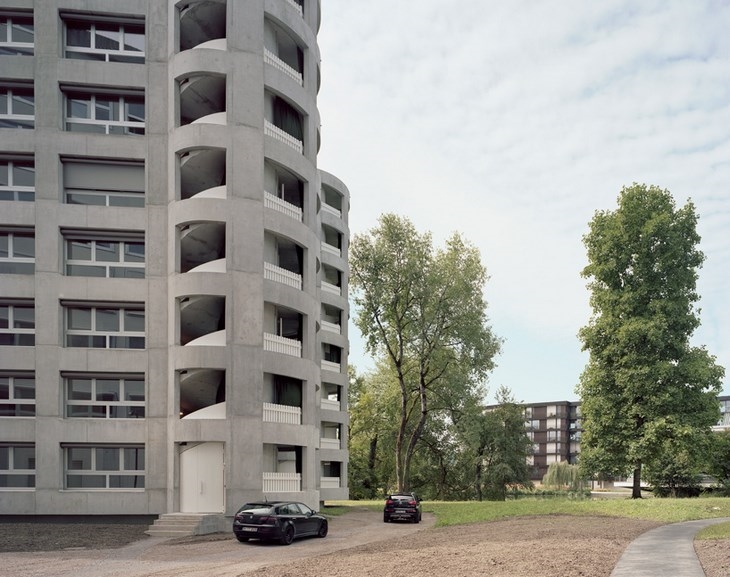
x=281 y=521
x=402 y=507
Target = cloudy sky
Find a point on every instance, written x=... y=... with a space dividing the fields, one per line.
x=512 y=123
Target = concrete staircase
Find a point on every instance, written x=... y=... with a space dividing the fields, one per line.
x=185 y=524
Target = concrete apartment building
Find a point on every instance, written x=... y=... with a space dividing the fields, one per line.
x=173 y=264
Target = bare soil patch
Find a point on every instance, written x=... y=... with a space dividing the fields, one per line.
x=359 y=544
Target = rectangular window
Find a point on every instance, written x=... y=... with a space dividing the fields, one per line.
x=105 y=113
x=17 y=324
x=104 y=41
x=17 y=466
x=17 y=107
x=17 y=252
x=104 y=183
x=105 y=397
x=104 y=467
x=17 y=180
x=105 y=327
x=16 y=34
x=17 y=395
x=105 y=258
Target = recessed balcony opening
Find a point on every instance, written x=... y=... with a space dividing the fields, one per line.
x=331 y=358
x=283 y=330
x=282 y=468
x=202 y=247
x=331 y=475
x=331 y=397
x=331 y=240
x=283 y=122
x=202 y=320
x=202 y=99
x=283 y=261
x=282 y=399
x=331 y=319
x=202 y=392
x=203 y=173
x=283 y=52
x=283 y=191
x=330 y=438
x=331 y=280
x=332 y=201
x=202 y=22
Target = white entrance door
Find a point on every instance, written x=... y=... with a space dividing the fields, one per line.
x=201 y=478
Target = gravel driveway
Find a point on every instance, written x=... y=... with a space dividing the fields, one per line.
x=359 y=544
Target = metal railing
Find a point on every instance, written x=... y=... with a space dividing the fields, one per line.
x=283 y=345
x=273 y=60
x=280 y=205
x=282 y=482
x=278 y=274
x=274 y=413
x=283 y=136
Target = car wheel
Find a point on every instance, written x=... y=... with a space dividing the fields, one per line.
x=242 y=538
x=386 y=519
x=323 y=528
x=288 y=536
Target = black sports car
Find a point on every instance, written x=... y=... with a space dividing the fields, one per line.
x=281 y=521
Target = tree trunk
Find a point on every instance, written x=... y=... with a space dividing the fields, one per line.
x=372 y=454
x=636 y=490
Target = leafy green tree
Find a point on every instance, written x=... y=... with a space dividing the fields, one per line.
x=563 y=475
x=423 y=312
x=718 y=460
x=644 y=385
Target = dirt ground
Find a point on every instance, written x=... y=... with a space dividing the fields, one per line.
x=358 y=544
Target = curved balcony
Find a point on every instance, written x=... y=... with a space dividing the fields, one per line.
x=283 y=52
x=202 y=21
x=202 y=243
x=203 y=172
x=202 y=393
x=202 y=99
x=201 y=315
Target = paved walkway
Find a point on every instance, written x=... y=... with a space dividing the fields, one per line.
x=664 y=551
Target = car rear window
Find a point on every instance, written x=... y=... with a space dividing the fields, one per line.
x=255 y=509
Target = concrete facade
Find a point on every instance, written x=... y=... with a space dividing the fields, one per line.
x=184 y=238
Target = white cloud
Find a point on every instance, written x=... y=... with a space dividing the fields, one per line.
x=512 y=123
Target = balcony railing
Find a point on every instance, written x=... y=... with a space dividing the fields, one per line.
x=331 y=249
x=283 y=136
x=329 y=483
x=325 y=443
x=280 y=205
x=332 y=210
x=273 y=60
x=283 y=345
x=331 y=288
x=330 y=405
x=331 y=327
x=278 y=274
x=296 y=6
x=282 y=482
x=274 y=413
x=331 y=366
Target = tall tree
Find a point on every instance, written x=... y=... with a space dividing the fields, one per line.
x=424 y=312
x=644 y=384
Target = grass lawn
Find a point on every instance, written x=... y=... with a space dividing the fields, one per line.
x=661 y=510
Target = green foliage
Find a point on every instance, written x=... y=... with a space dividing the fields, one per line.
x=718 y=460
x=423 y=314
x=645 y=389
x=563 y=475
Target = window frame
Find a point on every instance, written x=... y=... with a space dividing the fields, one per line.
x=12 y=471
x=17 y=191
x=97 y=470
x=10 y=119
x=75 y=191
x=11 y=259
x=11 y=47
x=93 y=334
x=13 y=329
x=119 y=409
x=120 y=54
x=108 y=266
x=89 y=99
x=21 y=405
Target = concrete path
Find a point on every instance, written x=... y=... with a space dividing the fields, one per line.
x=664 y=551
